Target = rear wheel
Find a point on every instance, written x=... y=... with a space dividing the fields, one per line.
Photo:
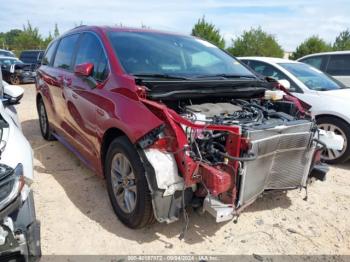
x=14 y=80
x=127 y=185
x=44 y=121
x=339 y=127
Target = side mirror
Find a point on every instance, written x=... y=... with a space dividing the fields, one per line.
x=84 y=69
x=12 y=94
x=285 y=83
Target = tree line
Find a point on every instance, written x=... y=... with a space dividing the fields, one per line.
x=253 y=42
x=256 y=42
x=26 y=38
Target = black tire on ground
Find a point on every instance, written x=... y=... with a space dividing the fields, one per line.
x=142 y=213
x=45 y=129
x=343 y=127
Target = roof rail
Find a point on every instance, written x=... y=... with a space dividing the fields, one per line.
x=79 y=26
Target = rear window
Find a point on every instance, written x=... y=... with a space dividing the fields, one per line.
x=6 y=53
x=339 y=65
x=65 y=50
x=30 y=56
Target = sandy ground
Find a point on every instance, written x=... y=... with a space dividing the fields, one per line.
x=77 y=218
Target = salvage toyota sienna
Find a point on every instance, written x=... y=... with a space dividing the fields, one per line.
x=171 y=121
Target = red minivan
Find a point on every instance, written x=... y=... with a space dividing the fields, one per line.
x=172 y=121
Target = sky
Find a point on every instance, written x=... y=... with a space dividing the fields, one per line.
x=290 y=21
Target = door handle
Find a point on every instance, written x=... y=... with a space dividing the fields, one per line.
x=100 y=112
x=74 y=96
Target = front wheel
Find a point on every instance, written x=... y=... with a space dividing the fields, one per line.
x=45 y=129
x=127 y=184
x=341 y=128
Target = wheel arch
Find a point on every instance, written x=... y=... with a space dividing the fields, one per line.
x=332 y=116
x=107 y=139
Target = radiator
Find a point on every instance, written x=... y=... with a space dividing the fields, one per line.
x=284 y=156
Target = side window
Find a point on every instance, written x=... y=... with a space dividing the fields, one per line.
x=339 y=65
x=91 y=51
x=65 y=52
x=270 y=71
x=267 y=70
x=102 y=69
x=315 y=61
x=47 y=59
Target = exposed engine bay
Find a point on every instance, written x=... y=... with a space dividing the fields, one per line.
x=221 y=152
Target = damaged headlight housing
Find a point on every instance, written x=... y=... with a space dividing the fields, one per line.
x=11 y=183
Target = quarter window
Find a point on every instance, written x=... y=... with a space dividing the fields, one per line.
x=339 y=65
x=65 y=52
x=91 y=51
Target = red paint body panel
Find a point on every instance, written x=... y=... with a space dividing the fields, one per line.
x=82 y=112
x=81 y=115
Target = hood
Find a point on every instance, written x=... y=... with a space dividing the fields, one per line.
x=343 y=94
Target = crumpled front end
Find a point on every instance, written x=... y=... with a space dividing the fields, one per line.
x=220 y=156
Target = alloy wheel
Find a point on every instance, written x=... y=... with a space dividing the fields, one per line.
x=43 y=118
x=330 y=154
x=123 y=183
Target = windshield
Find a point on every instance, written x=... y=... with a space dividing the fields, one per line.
x=9 y=61
x=313 y=78
x=149 y=53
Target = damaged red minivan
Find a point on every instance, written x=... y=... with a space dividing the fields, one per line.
x=172 y=121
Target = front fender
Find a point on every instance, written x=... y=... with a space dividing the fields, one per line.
x=131 y=116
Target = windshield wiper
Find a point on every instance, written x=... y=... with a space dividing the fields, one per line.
x=165 y=76
x=227 y=76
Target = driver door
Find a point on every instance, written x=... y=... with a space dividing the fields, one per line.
x=82 y=95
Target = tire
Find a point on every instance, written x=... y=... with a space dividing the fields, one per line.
x=14 y=80
x=342 y=128
x=45 y=128
x=127 y=184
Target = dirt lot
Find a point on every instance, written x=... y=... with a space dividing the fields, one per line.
x=77 y=218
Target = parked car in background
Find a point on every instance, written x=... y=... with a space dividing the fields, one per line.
x=328 y=97
x=19 y=228
x=32 y=57
x=6 y=53
x=16 y=72
x=171 y=121
x=336 y=64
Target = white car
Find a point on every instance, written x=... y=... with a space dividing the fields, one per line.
x=19 y=228
x=337 y=64
x=328 y=97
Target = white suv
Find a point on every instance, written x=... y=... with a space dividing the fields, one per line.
x=337 y=64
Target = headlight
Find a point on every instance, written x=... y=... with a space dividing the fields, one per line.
x=11 y=183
